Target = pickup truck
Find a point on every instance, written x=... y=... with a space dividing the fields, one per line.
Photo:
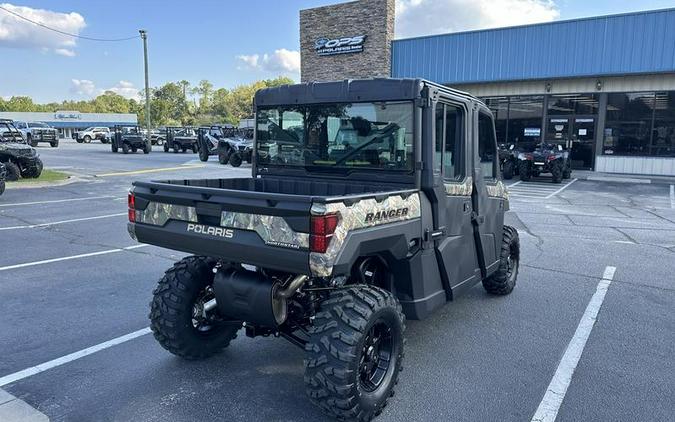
x=368 y=200
x=36 y=132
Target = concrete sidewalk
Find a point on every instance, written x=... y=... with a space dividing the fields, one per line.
x=621 y=178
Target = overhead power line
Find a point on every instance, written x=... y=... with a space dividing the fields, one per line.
x=68 y=33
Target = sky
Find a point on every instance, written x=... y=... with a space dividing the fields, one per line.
x=227 y=42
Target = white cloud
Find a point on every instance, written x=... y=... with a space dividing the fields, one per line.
x=426 y=17
x=82 y=87
x=65 y=52
x=125 y=89
x=282 y=60
x=18 y=33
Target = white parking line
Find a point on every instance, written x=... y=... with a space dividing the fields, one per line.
x=561 y=189
x=56 y=201
x=32 y=226
x=555 y=393
x=67 y=258
x=672 y=196
x=8 y=379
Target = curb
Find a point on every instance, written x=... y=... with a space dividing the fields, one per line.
x=13 y=409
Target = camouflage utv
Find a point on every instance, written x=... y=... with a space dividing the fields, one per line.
x=19 y=158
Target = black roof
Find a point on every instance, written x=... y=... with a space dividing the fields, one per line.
x=349 y=90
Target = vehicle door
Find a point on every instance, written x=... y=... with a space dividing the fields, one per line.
x=489 y=194
x=455 y=247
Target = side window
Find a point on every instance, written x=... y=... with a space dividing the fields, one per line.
x=438 y=148
x=487 y=145
x=454 y=141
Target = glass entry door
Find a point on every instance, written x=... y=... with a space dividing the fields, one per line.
x=582 y=151
x=576 y=135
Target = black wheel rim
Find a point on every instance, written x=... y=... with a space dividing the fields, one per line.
x=376 y=356
x=512 y=263
x=203 y=321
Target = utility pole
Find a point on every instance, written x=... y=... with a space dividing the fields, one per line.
x=144 y=37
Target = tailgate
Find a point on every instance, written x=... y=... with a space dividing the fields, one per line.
x=262 y=229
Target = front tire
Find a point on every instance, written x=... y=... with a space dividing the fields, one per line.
x=13 y=172
x=556 y=172
x=176 y=321
x=507 y=171
x=125 y=148
x=113 y=147
x=354 y=353
x=223 y=158
x=32 y=172
x=166 y=147
x=54 y=144
x=524 y=172
x=87 y=139
x=502 y=281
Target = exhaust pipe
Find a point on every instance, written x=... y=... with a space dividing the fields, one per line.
x=249 y=296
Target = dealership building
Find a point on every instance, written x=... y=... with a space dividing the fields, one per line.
x=69 y=121
x=603 y=86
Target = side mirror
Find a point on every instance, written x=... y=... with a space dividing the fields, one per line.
x=511 y=147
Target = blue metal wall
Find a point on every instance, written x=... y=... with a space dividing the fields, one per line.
x=641 y=42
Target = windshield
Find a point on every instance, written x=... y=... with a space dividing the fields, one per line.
x=344 y=135
x=8 y=133
x=37 y=124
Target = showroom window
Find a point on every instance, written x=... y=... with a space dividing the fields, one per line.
x=663 y=135
x=573 y=104
x=525 y=116
x=628 y=125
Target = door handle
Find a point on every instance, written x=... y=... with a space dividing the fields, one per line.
x=467 y=208
x=478 y=219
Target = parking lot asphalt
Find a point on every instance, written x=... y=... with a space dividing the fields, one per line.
x=71 y=285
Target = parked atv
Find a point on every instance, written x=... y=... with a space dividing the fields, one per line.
x=508 y=161
x=545 y=158
x=129 y=138
x=209 y=140
x=19 y=158
x=180 y=139
x=237 y=148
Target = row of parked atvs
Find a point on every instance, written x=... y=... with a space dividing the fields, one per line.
x=541 y=158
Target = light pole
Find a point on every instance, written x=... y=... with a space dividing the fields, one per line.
x=144 y=37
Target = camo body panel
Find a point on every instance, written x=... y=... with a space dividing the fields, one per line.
x=464 y=188
x=498 y=190
x=353 y=218
x=272 y=229
x=157 y=214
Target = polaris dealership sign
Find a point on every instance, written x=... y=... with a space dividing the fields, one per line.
x=328 y=47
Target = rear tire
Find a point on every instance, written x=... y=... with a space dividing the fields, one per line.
x=176 y=148
x=166 y=147
x=113 y=147
x=194 y=149
x=87 y=139
x=147 y=149
x=203 y=154
x=177 y=297
x=125 y=148
x=32 y=172
x=235 y=160
x=567 y=173
x=54 y=144
x=354 y=353
x=13 y=172
x=2 y=187
x=502 y=281
x=32 y=143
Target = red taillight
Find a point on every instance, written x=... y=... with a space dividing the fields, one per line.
x=551 y=157
x=529 y=156
x=131 y=201
x=322 y=228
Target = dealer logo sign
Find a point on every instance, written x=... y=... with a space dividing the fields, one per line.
x=328 y=47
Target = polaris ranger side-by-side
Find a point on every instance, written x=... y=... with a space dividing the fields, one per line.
x=180 y=139
x=129 y=139
x=369 y=200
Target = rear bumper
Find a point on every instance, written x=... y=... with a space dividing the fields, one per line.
x=244 y=246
